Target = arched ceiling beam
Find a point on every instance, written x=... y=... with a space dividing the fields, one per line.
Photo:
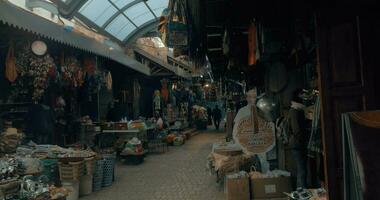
x=121 y=11
x=142 y=30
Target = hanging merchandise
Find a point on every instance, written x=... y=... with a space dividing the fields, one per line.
x=252 y=132
x=177 y=24
x=162 y=25
x=276 y=77
x=109 y=81
x=71 y=71
x=157 y=102
x=136 y=98
x=253 y=50
x=164 y=90
x=226 y=42
x=34 y=75
x=10 y=65
x=89 y=65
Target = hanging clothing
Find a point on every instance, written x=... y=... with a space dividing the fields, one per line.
x=109 y=81
x=10 y=66
x=165 y=91
x=252 y=44
x=226 y=42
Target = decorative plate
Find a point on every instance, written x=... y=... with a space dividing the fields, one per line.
x=39 y=48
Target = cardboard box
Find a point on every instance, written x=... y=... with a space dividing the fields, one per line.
x=262 y=188
x=237 y=188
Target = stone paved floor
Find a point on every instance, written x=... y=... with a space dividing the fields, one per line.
x=179 y=174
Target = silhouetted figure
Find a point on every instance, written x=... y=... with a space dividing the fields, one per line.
x=217 y=115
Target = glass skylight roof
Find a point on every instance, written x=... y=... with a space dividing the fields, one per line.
x=120 y=18
x=121 y=3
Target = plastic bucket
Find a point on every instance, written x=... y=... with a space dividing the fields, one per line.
x=73 y=187
x=85 y=185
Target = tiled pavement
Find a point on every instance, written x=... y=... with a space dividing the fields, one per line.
x=179 y=174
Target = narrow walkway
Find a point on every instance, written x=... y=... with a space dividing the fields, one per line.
x=179 y=174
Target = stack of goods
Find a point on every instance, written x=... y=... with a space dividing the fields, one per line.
x=9 y=182
x=310 y=194
x=9 y=140
x=226 y=158
x=133 y=151
x=279 y=181
x=58 y=192
x=178 y=140
x=237 y=186
x=19 y=180
x=34 y=189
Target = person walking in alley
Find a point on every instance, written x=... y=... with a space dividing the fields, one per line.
x=217 y=115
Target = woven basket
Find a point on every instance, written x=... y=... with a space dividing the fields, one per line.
x=71 y=171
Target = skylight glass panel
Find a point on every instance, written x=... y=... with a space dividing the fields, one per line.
x=98 y=11
x=143 y=18
x=116 y=25
x=139 y=14
x=125 y=31
x=158 y=6
x=121 y=3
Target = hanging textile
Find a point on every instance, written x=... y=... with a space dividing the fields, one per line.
x=109 y=81
x=89 y=65
x=252 y=44
x=315 y=142
x=226 y=42
x=165 y=91
x=177 y=34
x=136 y=98
x=10 y=65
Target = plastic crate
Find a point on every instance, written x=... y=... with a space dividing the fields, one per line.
x=98 y=175
x=108 y=169
x=157 y=146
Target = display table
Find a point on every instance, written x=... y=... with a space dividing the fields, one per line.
x=108 y=138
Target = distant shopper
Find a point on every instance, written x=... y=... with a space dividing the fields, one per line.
x=217 y=115
x=298 y=138
x=209 y=115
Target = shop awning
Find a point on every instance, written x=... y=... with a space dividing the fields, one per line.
x=22 y=19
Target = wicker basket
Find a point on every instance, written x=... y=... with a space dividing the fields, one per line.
x=71 y=170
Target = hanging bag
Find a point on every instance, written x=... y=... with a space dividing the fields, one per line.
x=177 y=26
x=10 y=65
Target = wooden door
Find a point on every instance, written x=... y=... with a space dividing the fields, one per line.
x=346 y=83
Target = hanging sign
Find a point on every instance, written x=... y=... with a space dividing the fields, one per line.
x=252 y=133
